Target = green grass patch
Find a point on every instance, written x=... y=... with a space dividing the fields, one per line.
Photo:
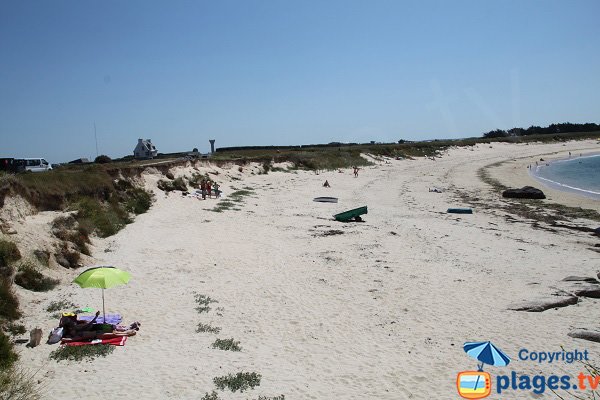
x=202 y=328
x=9 y=303
x=175 y=184
x=138 y=201
x=61 y=305
x=103 y=218
x=28 y=277
x=16 y=384
x=15 y=329
x=211 y=396
x=78 y=353
x=227 y=344
x=7 y=354
x=203 y=302
x=241 y=381
x=9 y=253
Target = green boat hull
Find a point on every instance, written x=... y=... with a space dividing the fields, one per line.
x=351 y=214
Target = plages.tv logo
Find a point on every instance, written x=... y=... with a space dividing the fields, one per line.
x=478 y=384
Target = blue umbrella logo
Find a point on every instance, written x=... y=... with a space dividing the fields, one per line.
x=486 y=353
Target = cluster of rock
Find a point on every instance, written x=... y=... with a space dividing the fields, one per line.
x=526 y=192
x=569 y=291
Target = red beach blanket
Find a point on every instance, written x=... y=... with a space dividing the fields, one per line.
x=117 y=341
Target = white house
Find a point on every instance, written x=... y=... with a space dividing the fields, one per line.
x=144 y=149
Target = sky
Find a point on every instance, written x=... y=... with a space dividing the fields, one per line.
x=283 y=72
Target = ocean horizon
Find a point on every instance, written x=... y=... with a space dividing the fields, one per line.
x=577 y=174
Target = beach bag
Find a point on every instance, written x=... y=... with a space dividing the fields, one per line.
x=55 y=336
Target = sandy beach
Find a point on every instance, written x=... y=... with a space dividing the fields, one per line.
x=328 y=310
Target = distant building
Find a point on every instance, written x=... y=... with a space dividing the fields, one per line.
x=80 y=161
x=144 y=149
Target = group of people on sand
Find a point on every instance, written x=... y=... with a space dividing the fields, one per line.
x=207 y=186
x=76 y=330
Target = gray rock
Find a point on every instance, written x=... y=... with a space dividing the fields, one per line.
x=585 y=334
x=574 y=278
x=545 y=304
x=592 y=291
x=526 y=192
x=62 y=261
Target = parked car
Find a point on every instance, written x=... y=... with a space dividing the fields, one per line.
x=36 y=165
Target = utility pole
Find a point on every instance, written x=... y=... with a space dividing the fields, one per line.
x=96 y=137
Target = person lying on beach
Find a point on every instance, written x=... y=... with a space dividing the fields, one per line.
x=78 y=330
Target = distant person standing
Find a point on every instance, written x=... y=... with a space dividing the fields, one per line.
x=217 y=192
x=208 y=189
x=203 y=189
x=355 y=171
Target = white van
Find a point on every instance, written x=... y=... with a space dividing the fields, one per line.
x=36 y=165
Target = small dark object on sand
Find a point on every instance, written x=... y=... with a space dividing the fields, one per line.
x=526 y=192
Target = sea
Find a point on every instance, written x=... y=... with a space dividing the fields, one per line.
x=576 y=174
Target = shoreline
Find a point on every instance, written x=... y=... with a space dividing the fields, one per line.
x=535 y=173
x=516 y=174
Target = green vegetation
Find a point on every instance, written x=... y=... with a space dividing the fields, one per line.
x=176 y=184
x=227 y=344
x=203 y=302
x=207 y=328
x=8 y=253
x=241 y=381
x=16 y=384
x=62 y=305
x=78 y=353
x=551 y=129
x=15 y=329
x=211 y=396
x=280 y=397
x=103 y=218
x=102 y=159
x=28 y=277
x=9 y=303
x=102 y=202
x=234 y=199
x=7 y=353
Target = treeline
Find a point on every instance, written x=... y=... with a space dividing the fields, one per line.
x=538 y=130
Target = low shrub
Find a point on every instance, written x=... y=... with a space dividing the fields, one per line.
x=105 y=219
x=62 y=305
x=176 y=184
x=203 y=302
x=28 y=277
x=9 y=303
x=139 y=201
x=211 y=396
x=43 y=256
x=207 y=328
x=240 y=381
x=9 y=253
x=78 y=353
x=7 y=352
x=227 y=344
x=16 y=384
x=102 y=159
x=16 y=329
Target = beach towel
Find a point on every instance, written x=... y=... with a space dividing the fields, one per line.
x=113 y=319
x=117 y=341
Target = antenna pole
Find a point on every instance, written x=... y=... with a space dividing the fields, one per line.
x=96 y=137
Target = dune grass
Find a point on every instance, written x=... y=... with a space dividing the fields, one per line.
x=202 y=328
x=241 y=381
x=79 y=353
x=28 y=277
x=227 y=344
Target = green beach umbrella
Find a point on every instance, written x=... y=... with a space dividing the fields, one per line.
x=102 y=278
